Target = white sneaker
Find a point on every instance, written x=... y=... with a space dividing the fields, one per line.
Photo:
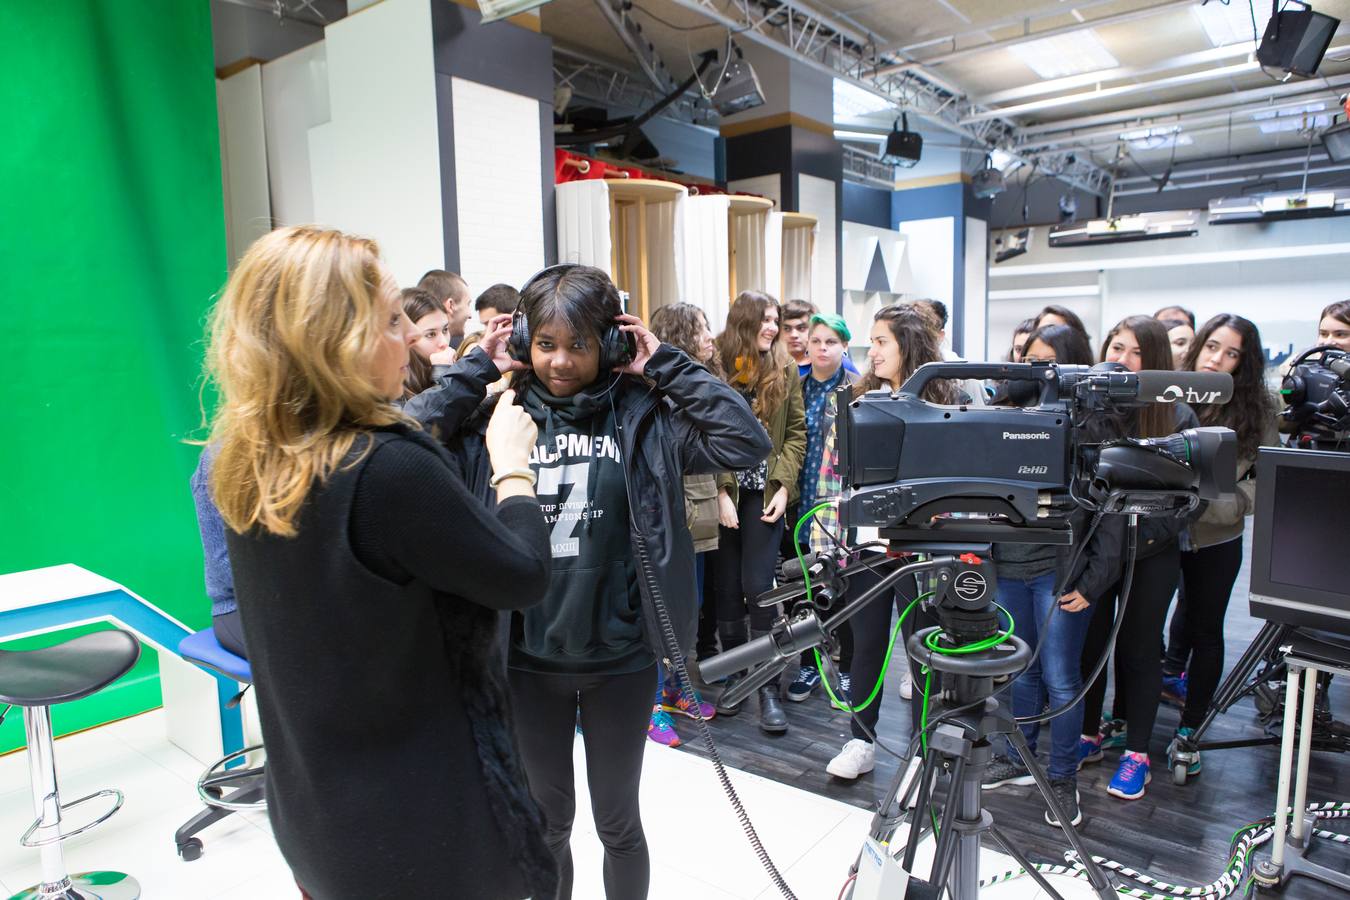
x=857 y=758
x=906 y=683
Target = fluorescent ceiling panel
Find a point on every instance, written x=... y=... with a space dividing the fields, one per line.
x=852 y=102
x=1229 y=23
x=1295 y=118
x=1065 y=54
x=1156 y=138
x=1001 y=159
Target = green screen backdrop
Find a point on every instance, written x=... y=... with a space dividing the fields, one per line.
x=113 y=232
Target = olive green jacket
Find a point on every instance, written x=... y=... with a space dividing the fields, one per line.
x=787 y=430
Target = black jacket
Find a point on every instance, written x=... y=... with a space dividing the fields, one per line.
x=680 y=420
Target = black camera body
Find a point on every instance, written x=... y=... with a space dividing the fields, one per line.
x=1316 y=393
x=907 y=461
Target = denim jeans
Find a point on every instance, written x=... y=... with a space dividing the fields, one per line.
x=1054 y=677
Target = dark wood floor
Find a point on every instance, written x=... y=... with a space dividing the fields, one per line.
x=1175 y=833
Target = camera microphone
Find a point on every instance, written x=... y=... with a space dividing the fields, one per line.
x=1185 y=387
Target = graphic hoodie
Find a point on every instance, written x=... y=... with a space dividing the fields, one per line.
x=589 y=620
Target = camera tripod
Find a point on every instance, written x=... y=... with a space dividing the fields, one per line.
x=960 y=746
x=1261 y=664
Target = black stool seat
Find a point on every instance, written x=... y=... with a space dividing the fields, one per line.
x=68 y=671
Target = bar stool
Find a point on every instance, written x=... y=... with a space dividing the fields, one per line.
x=36 y=680
x=245 y=786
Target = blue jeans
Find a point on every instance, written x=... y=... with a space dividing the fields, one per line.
x=1055 y=676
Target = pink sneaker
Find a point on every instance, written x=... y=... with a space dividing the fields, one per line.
x=679 y=704
x=661 y=729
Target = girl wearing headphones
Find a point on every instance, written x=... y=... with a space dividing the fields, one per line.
x=621 y=419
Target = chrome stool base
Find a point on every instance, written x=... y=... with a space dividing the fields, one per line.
x=85 y=886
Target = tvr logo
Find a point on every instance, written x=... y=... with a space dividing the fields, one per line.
x=1173 y=393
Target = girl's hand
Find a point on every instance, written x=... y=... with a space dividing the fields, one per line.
x=511 y=435
x=777 y=506
x=726 y=511
x=1073 y=602
x=494 y=341
x=647 y=344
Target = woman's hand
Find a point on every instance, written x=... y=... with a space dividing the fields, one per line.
x=1073 y=601
x=647 y=344
x=511 y=434
x=494 y=340
x=726 y=511
x=777 y=506
x=444 y=357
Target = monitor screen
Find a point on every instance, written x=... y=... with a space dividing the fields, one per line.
x=1300 y=564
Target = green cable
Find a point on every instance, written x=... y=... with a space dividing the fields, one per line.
x=931 y=642
x=885 y=663
x=797 y=541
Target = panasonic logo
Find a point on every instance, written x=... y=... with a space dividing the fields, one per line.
x=1026 y=435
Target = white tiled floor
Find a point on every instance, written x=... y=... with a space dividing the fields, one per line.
x=813 y=840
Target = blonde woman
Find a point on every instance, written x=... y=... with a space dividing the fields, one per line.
x=369 y=581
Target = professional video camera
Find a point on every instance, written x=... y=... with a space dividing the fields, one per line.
x=1317 y=396
x=942 y=484
x=1026 y=468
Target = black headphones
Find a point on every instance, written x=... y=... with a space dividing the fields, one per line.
x=617 y=347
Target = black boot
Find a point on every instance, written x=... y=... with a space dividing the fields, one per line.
x=771 y=716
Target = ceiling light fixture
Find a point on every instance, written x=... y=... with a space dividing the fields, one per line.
x=1272 y=207
x=903 y=147
x=1065 y=54
x=494 y=10
x=1150 y=226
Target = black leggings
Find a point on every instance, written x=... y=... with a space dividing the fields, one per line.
x=615 y=712
x=743 y=566
x=1208 y=575
x=1137 y=663
x=230 y=632
x=871 y=637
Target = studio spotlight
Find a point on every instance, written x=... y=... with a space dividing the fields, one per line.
x=903 y=147
x=988 y=182
x=738 y=89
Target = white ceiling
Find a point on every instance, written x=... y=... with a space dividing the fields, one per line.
x=1176 y=90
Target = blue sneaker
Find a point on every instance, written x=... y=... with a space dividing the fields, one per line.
x=1089 y=750
x=1187 y=735
x=1131 y=778
x=844 y=693
x=807 y=680
x=1113 y=734
x=1174 y=690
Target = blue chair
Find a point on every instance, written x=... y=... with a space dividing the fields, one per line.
x=223 y=789
x=36 y=680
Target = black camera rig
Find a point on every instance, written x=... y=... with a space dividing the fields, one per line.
x=1316 y=393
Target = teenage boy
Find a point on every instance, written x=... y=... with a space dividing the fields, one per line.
x=453 y=293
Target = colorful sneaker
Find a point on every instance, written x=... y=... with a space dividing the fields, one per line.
x=1131 y=778
x=844 y=694
x=1187 y=735
x=678 y=702
x=1089 y=750
x=807 y=680
x=1174 y=690
x=661 y=729
x=857 y=758
x=1003 y=772
x=1113 y=734
x=1066 y=794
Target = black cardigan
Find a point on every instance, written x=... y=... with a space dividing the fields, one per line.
x=391 y=770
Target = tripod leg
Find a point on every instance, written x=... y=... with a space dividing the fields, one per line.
x=921 y=808
x=1099 y=881
x=948 y=840
x=1016 y=853
x=1232 y=687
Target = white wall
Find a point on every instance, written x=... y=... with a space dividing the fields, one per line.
x=815 y=197
x=1278 y=274
x=930 y=249
x=295 y=99
x=976 y=289
x=243 y=161
x=375 y=166
x=497 y=185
